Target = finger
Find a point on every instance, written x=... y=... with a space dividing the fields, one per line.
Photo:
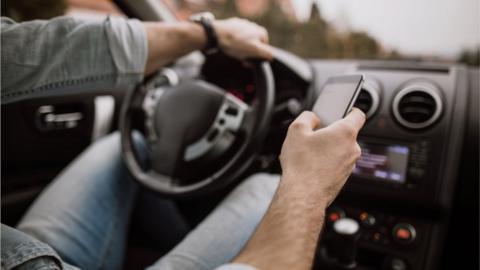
x=246 y=64
x=352 y=123
x=262 y=50
x=263 y=35
x=356 y=118
x=306 y=121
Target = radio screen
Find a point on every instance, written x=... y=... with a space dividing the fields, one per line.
x=384 y=162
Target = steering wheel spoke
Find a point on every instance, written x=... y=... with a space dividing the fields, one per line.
x=248 y=123
x=227 y=123
x=232 y=113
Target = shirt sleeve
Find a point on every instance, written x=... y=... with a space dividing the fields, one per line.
x=22 y=252
x=68 y=55
x=235 y=266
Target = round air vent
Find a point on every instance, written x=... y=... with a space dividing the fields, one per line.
x=417 y=106
x=369 y=98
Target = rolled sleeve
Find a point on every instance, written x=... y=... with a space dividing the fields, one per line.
x=67 y=55
x=127 y=41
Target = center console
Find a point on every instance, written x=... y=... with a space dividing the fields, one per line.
x=401 y=190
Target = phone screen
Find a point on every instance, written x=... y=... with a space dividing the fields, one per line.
x=337 y=98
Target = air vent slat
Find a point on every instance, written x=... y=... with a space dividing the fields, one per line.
x=417 y=106
x=416 y=99
x=364 y=101
x=368 y=100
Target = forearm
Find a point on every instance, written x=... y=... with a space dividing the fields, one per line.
x=167 y=42
x=287 y=236
x=315 y=164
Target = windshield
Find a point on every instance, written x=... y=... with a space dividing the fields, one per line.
x=438 y=30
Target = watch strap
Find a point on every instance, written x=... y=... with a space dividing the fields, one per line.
x=210 y=33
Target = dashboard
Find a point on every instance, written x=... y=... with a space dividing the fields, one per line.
x=403 y=192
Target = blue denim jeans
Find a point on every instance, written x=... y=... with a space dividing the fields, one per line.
x=84 y=216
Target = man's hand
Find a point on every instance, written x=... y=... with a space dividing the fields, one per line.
x=321 y=159
x=243 y=39
x=238 y=38
x=315 y=164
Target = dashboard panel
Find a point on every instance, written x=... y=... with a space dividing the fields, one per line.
x=402 y=192
x=402 y=189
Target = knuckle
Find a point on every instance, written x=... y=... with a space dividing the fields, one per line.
x=362 y=114
x=348 y=131
x=295 y=125
x=357 y=151
x=235 y=20
x=308 y=114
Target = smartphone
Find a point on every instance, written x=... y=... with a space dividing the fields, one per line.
x=337 y=98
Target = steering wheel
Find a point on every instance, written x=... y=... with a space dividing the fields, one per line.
x=195 y=123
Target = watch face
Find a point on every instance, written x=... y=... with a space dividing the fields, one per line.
x=202 y=16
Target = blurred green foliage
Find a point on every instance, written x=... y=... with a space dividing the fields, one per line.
x=314 y=38
x=470 y=57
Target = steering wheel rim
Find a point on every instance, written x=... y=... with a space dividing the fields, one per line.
x=167 y=185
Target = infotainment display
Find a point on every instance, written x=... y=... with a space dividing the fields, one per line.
x=383 y=162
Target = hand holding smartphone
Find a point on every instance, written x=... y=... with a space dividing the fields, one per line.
x=337 y=98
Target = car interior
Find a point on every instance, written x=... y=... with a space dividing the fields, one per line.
x=414 y=191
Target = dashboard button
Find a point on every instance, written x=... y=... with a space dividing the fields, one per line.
x=404 y=233
x=367 y=219
x=335 y=214
x=395 y=264
x=376 y=237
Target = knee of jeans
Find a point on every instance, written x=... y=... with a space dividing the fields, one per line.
x=140 y=145
x=113 y=144
x=261 y=182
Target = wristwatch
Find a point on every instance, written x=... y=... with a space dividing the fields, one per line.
x=205 y=19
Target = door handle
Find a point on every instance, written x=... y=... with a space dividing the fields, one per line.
x=48 y=119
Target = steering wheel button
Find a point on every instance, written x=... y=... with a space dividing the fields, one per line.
x=231 y=111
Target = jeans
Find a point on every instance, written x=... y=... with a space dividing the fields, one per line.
x=84 y=215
